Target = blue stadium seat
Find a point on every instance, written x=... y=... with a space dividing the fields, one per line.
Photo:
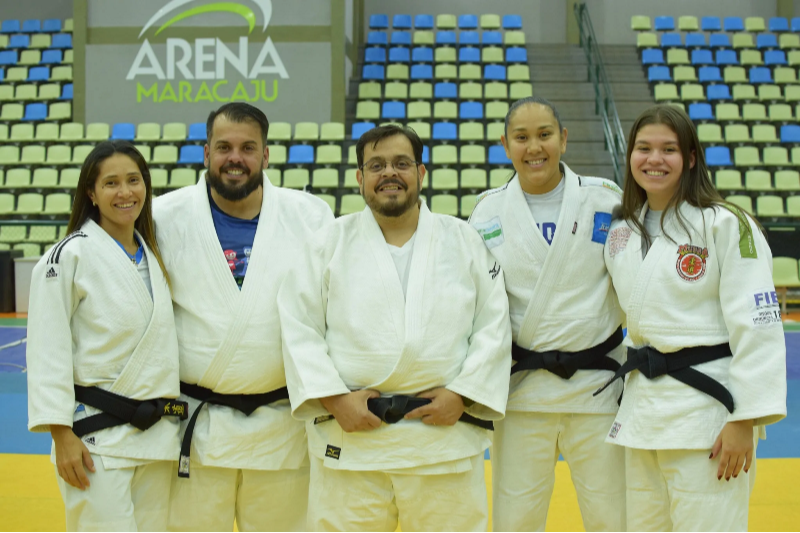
x=51 y=26
x=718 y=156
x=445 y=90
x=512 y=22
x=467 y=22
x=796 y=24
x=35 y=112
x=671 y=39
x=497 y=155
x=709 y=74
x=701 y=111
x=61 y=40
x=719 y=40
x=422 y=54
x=710 y=24
x=51 y=56
x=399 y=55
x=727 y=57
x=377 y=37
x=401 y=38
x=658 y=73
x=664 y=24
x=445 y=131
x=652 y=56
x=393 y=110
x=31 y=26
x=760 y=75
x=774 y=57
x=375 y=55
x=695 y=39
x=766 y=40
x=360 y=128
x=423 y=22
x=8 y=57
x=445 y=37
x=426 y=155
x=379 y=22
x=492 y=38
x=66 y=92
x=373 y=72
x=494 y=72
x=39 y=74
x=790 y=133
x=718 y=92
x=124 y=131
x=469 y=38
x=702 y=57
x=733 y=24
x=778 y=24
x=197 y=132
x=470 y=111
x=10 y=26
x=301 y=154
x=192 y=154
x=516 y=55
x=421 y=72
x=469 y=55
x=401 y=22
x=19 y=41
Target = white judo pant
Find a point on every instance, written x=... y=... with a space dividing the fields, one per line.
x=348 y=500
x=524 y=455
x=259 y=500
x=123 y=499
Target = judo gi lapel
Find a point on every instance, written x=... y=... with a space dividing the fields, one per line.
x=554 y=255
x=245 y=298
x=643 y=270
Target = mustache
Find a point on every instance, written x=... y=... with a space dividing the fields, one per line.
x=391 y=181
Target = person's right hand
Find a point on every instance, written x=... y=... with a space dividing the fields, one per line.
x=71 y=456
x=351 y=411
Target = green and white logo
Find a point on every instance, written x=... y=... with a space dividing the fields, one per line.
x=491 y=232
x=199 y=71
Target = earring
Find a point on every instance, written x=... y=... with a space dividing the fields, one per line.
x=94 y=204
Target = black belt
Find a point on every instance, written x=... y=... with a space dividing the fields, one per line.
x=392 y=409
x=119 y=410
x=565 y=364
x=246 y=403
x=652 y=364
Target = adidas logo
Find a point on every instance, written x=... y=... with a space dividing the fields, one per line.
x=89 y=440
x=52 y=273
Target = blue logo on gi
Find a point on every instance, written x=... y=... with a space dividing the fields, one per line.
x=602 y=223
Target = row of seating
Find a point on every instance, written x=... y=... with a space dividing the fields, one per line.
x=752 y=156
x=758 y=181
x=446 y=21
x=768 y=206
x=718 y=40
x=43 y=73
x=32 y=203
x=57 y=40
x=702 y=56
x=446 y=38
x=38 y=57
x=695 y=91
x=446 y=71
x=468 y=132
x=426 y=54
x=38 y=111
x=470 y=90
x=711 y=74
x=729 y=24
x=36 y=26
x=31 y=91
x=743 y=133
x=443 y=109
x=38 y=234
x=734 y=112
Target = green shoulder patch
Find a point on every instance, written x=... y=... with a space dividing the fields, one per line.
x=613 y=186
x=747 y=244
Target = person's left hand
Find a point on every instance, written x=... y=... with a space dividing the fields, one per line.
x=445 y=409
x=734 y=446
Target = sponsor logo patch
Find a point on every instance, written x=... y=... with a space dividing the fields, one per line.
x=89 y=440
x=618 y=240
x=612 y=186
x=495 y=270
x=602 y=223
x=491 y=232
x=333 y=452
x=765 y=308
x=691 y=264
x=614 y=430
x=52 y=273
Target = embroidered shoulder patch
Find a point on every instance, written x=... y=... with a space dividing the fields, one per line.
x=602 y=223
x=52 y=273
x=333 y=452
x=601 y=182
x=618 y=240
x=491 y=232
x=765 y=308
x=747 y=245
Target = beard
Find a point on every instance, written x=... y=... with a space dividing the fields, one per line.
x=392 y=207
x=234 y=193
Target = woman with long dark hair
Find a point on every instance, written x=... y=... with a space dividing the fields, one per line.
x=706 y=353
x=102 y=352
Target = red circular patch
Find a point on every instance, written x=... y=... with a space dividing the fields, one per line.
x=691 y=267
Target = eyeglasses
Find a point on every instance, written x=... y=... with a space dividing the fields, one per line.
x=401 y=164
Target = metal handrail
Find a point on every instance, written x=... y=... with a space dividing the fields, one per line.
x=604 y=98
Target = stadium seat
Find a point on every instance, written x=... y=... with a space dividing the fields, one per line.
x=68 y=178
x=717 y=156
x=467 y=22
x=646 y=40
x=301 y=154
x=471 y=111
x=729 y=180
x=11 y=234
x=399 y=54
x=490 y=21
x=59 y=154
x=80 y=152
x=296 y=178
x=702 y=57
x=640 y=23
x=332 y=131
x=422 y=54
x=31 y=26
x=445 y=110
x=744 y=202
x=745 y=156
x=470 y=131
x=306 y=131
x=182 y=177
x=19 y=41
x=787 y=180
x=197 y=132
x=516 y=55
x=781 y=113
x=715 y=92
x=754 y=24
x=6 y=203
x=39 y=74
x=12 y=112
x=351 y=203
x=445 y=71
x=770 y=206
x=671 y=40
x=191 y=154
x=665 y=92
x=30 y=57
x=359 y=128
x=512 y=22
x=41 y=41
x=708 y=74
x=710 y=24
x=17 y=178
x=367 y=110
x=701 y=111
x=445 y=90
x=758 y=180
x=394 y=110
x=125 y=131
x=664 y=24
x=710 y=133
x=790 y=133
x=765 y=133
x=652 y=56
x=277 y=154
x=29 y=203
x=733 y=24
x=176 y=131
x=21 y=132
x=35 y=112
x=377 y=38
x=329 y=154
x=766 y=41
x=469 y=38
x=375 y=55
x=419 y=110
x=398 y=71
x=379 y=21
x=100 y=131
x=491 y=38
x=401 y=38
x=57 y=204
x=784 y=75
x=51 y=25
x=62 y=40
x=373 y=72
x=792 y=93
x=325 y=178
x=472 y=154
x=47 y=131
x=445 y=38
x=148 y=131
x=423 y=38
x=66 y=92
x=10 y=26
x=282 y=131
x=401 y=22
x=497 y=156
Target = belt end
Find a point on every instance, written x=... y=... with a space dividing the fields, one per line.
x=183 y=466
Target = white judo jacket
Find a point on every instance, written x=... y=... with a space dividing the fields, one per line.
x=346 y=326
x=710 y=286
x=230 y=339
x=92 y=322
x=560 y=295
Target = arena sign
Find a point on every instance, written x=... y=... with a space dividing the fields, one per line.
x=201 y=71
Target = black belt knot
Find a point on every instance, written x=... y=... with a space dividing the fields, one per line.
x=565 y=364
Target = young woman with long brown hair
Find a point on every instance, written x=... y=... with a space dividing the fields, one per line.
x=102 y=352
x=706 y=352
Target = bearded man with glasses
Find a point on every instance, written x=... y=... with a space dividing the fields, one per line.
x=397 y=350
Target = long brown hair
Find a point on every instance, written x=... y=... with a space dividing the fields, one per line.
x=695 y=186
x=82 y=208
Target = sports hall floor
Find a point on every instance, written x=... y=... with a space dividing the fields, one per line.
x=29 y=498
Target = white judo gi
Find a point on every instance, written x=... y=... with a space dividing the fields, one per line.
x=253 y=468
x=710 y=286
x=347 y=326
x=560 y=298
x=93 y=322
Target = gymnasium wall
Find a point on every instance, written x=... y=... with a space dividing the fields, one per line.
x=35 y=9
